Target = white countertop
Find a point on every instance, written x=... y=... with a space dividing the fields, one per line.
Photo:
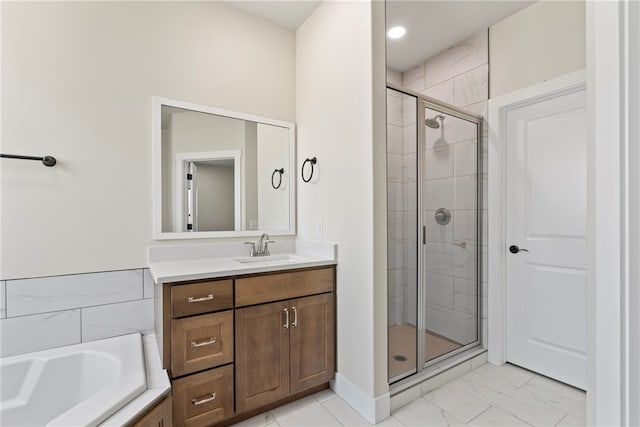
x=193 y=262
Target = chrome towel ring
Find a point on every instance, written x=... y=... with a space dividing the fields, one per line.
x=280 y=172
x=312 y=161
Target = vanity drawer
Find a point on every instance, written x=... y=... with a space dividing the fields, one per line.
x=201 y=342
x=204 y=398
x=280 y=286
x=201 y=297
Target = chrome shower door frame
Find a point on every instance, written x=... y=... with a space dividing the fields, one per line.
x=442 y=107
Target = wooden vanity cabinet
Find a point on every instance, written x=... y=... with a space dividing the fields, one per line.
x=201 y=342
x=198 y=350
x=312 y=342
x=204 y=398
x=262 y=362
x=284 y=347
x=237 y=345
x=159 y=416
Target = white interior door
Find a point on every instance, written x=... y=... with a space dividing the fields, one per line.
x=546 y=188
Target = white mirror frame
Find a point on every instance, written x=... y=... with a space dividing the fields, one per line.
x=156 y=136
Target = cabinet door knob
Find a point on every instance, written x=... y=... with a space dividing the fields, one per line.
x=286 y=318
x=295 y=317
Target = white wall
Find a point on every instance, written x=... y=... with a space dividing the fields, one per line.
x=273 y=204
x=335 y=111
x=215 y=197
x=543 y=41
x=77 y=82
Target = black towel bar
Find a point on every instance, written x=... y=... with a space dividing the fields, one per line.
x=46 y=160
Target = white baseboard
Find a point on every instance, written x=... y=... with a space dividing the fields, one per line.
x=373 y=409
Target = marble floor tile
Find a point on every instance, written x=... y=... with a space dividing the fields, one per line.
x=309 y=415
x=459 y=403
x=345 y=414
x=559 y=388
x=424 y=413
x=487 y=396
x=571 y=421
x=496 y=417
x=262 y=420
x=506 y=374
x=558 y=395
x=507 y=398
x=391 y=422
x=324 y=395
x=297 y=405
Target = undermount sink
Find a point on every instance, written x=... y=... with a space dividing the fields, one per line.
x=269 y=259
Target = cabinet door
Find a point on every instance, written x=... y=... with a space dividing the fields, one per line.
x=262 y=355
x=312 y=341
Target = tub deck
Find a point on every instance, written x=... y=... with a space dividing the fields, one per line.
x=79 y=385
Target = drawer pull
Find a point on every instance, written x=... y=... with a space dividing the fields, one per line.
x=207 y=298
x=205 y=399
x=210 y=341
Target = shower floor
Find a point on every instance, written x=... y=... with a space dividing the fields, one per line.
x=402 y=342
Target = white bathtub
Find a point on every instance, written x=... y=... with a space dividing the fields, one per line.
x=78 y=385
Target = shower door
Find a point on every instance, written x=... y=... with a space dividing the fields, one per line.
x=402 y=226
x=450 y=190
x=434 y=182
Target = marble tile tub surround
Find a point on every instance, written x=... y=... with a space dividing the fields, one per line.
x=48 y=312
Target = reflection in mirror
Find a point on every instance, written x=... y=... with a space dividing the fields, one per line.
x=215 y=172
x=212 y=186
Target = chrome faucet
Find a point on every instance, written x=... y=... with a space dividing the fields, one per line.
x=263 y=246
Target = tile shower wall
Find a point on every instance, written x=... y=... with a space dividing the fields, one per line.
x=458 y=76
x=47 y=312
x=395 y=216
x=402 y=216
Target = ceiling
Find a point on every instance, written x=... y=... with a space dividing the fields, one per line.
x=432 y=25
x=290 y=14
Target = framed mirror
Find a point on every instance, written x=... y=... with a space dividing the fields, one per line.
x=220 y=173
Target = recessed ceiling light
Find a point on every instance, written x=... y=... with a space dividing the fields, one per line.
x=396 y=32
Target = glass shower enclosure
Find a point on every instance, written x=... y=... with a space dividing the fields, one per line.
x=434 y=195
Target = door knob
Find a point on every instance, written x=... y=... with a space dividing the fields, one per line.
x=514 y=249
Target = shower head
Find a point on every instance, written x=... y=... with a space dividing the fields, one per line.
x=433 y=122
